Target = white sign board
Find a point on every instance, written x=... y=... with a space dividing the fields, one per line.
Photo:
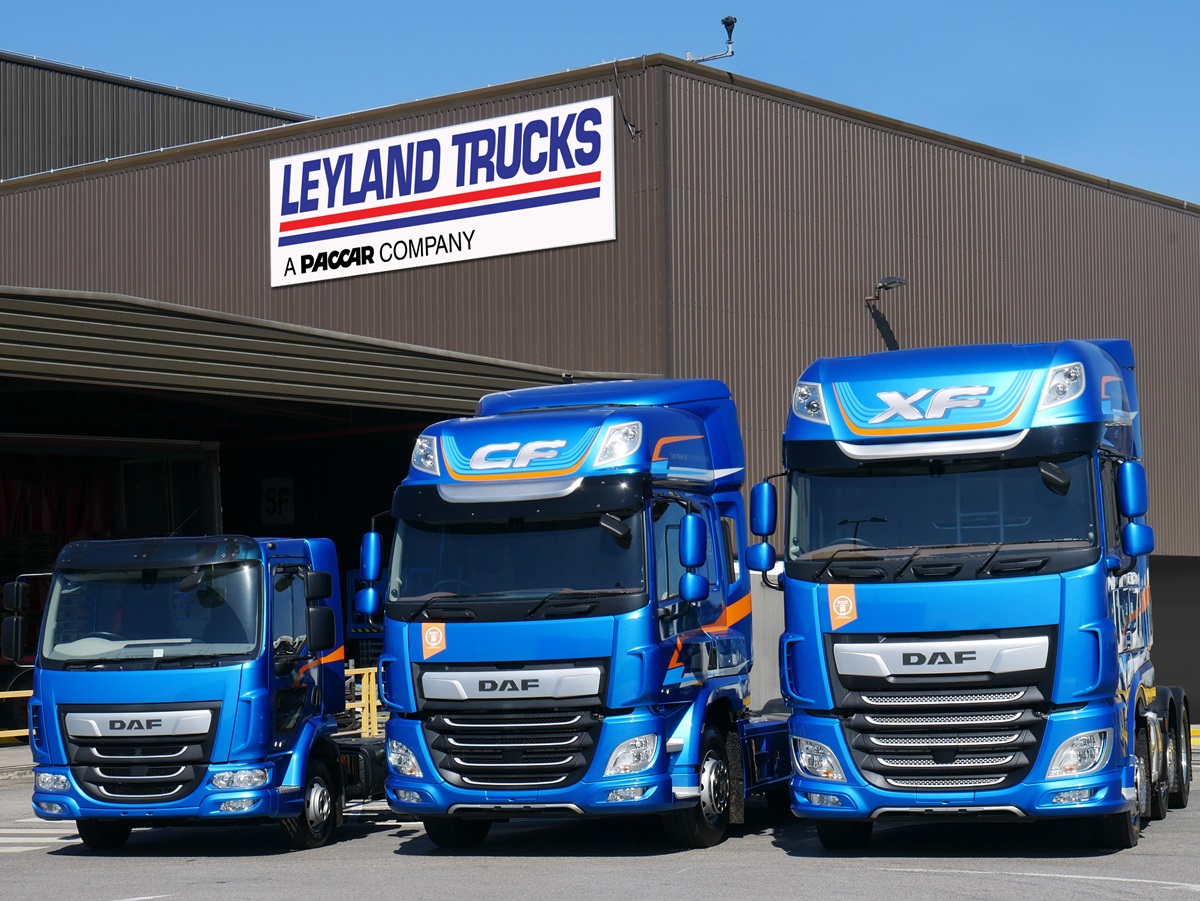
x=516 y=183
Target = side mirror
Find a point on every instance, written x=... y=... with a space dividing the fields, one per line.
x=762 y=509
x=318 y=585
x=370 y=557
x=693 y=587
x=16 y=599
x=760 y=558
x=1132 y=494
x=1137 y=539
x=366 y=601
x=12 y=637
x=693 y=541
x=322 y=629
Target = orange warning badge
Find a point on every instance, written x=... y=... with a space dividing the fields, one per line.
x=433 y=638
x=842 y=609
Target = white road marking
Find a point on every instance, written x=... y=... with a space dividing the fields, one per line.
x=1190 y=886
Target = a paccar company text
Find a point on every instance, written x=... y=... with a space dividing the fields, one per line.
x=529 y=181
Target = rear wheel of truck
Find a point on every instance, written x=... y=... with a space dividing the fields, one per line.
x=1181 y=735
x=707 y=823
x=314 y=826
x=840 y=835
x=1121 y=830
x=103 y=835
x=456 y=832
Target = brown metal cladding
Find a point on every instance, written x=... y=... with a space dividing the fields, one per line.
x=784 y=215
x=192 y=229
x=751 y=222
x=53 y=116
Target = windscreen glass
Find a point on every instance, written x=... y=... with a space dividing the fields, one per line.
x=169 y=616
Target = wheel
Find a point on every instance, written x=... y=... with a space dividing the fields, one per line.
x=103 y=835
x=844 y=835
x=707 y=823
x=1121 y=830
x=1181 y=770
x=455 y=832
x=314 y=826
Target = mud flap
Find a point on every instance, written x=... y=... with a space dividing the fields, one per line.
x=737 y=777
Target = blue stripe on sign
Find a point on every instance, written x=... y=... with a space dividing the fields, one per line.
x=506 y=206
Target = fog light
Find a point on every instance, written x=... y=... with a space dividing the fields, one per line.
x=252 y=778
x=402 y=759
x=633 y=793
x=49 y=807
x=406 y=797
x=1078 y=796
x=823 y=800
x=237 y=805
x=51 y=782
x=632 y=755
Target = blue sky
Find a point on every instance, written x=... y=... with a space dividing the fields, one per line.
x=1103 y=86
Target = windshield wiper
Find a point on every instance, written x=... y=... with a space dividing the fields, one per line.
x=170 y=662
x=574 y=594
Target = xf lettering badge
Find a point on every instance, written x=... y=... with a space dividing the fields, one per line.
x=942 y=400
x=507 y=684
x=134 y=725
x=937 y=658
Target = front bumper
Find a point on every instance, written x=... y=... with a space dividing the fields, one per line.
x=1108 y=790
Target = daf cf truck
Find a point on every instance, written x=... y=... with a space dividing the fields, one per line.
x=567 y=631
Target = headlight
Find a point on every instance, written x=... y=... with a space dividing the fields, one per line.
x=252 y=778
x=815 y=759
x=424 y=455
x=1063 y=383
x=808 y=402
x=402 y=759
x=619 y=442
x=51 y=782
x=632 y=755
x=1080 y=754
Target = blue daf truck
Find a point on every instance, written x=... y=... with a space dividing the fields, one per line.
x=566 y=628
x=967 y=601
x=192 y=681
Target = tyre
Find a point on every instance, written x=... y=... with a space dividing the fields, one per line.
x=455 y=832
x=314 y=826
x=1162 y=788
x=844 y=835
x=1181 y=779
x=707 y=823
x=103 y=835
x=1121 y=830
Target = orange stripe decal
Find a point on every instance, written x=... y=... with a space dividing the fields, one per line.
x=662 y=442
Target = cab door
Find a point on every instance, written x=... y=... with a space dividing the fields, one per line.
x=295 y=691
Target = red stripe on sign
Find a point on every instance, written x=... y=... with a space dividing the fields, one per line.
x=429 y=203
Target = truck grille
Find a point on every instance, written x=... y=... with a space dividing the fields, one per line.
x=148 y=770
x=525 y=750
x=960 y=732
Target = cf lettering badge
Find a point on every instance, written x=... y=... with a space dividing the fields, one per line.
x=842 y=608
x=433 y=638
x=945 y=399
x=514 y=455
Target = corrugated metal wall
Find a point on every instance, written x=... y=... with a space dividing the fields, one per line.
x=783 y=216
x=193 y=230
x=53 y=116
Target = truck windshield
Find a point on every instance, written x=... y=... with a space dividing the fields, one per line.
x=927 y=509
x=533 y=559
x=171 y=616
